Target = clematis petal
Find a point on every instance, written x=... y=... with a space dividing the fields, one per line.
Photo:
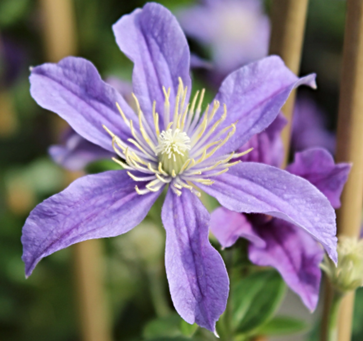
x=227 y=226
x=267 y=145
x=258 y=188
x=76 y=152
x=94 y=206
x=75 y=91
x=198 y=279
x=294 y=253
x=254 y=95
x=152 y=38
x=317 y=166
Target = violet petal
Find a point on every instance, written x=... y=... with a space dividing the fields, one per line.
x=227 y=226
x=197 y=276
x=267 y=145
x=94 y=206
x=75 y=91
x=258 y=188
x=294 y=253
x=318 y=166
x=254 y=95
x=152 y=38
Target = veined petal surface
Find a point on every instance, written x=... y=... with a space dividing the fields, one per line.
x=254 y=95
x=197 y=276
x=227 y=226
x=257 y=188
x=292 y=252
x=153 y=39
x=94 y=206
x=75 y=91
x=317 y=166
x=267 y=145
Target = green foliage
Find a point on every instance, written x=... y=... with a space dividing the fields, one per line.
x=255 y=299
x=358 y=316
x=171 y=327
x=11 y=11
x=282 y=325
x=170 y=339
x=188 y=329
x=168 y=326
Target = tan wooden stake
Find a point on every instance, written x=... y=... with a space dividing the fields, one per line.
x=288 y=19
x=288 y=25
x=60 y=41
x=350 y=141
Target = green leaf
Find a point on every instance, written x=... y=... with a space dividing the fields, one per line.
x=170 y=339
x=12 y=11
x=282 y=325
x=256 y=298
x=188 y=329
x=168 y=326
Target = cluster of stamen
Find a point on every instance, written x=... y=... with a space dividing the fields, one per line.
x=180 y=154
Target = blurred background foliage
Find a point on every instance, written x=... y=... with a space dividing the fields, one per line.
x=44 y=307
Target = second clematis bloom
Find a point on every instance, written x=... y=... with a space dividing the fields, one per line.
x=282 y=244
x=236 y=31
x=170 y=141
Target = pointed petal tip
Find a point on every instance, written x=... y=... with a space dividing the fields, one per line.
x=312 y=83
x=29 y=268
x=216 y=334
x=309 y=80
x=198 y=266
x=333 y=256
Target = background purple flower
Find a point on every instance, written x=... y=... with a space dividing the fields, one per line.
x=280 y=244
x=267 y=145
x=309 y=127
x=75 y=153
x=12 y=60
x=236 y=31
x=157 y=148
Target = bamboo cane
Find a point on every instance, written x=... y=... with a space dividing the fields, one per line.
x=288 y=25
x=288 y=19
x=60 y=41
x=350 y=141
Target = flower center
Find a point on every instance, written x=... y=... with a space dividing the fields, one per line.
x=173 y=150
x=186 y=151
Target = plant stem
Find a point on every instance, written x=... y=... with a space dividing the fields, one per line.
x=157 y=291
x=333 y=316
x=228 y=313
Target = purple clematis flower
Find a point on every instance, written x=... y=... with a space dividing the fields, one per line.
x=237 y=31
x=13 y=60
x=281 y=244
x=309 y=127
x=169 y=143
x=266 y=146
x=74 y=152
